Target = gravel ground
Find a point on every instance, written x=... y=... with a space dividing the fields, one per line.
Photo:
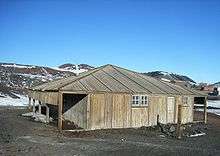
x=22 y=136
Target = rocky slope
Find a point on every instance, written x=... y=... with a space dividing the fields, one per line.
x=16 y=78
x=170 y=77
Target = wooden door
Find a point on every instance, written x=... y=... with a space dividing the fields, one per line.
x=170 y=109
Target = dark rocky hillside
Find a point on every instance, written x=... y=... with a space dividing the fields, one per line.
x=16 y=78
x=170 y=76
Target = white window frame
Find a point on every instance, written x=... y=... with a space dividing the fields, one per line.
x=139 y=100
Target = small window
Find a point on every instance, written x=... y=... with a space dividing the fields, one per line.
x=139 y=100
x=185 y=100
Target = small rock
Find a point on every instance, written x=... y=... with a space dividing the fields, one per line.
x=172 y=129
x=122 y=140
x=163 y=136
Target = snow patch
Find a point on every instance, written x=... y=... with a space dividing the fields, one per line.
x=37 y=117
x=211 y=103
x=41 y=118
x=214 y=103
x=29 y=114
x=166 y=80
x=37 y=76
x=77 y=71
x=9 y=101
x=17 y=66
x=196 y=135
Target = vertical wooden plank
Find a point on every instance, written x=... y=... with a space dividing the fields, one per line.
x=179 y=121
x=29 y=103
x=175 y=108
x=34 y=107
x=39 y=107
x=205 y=110
x=47 y=114
x=108 y=110
x=118 y=111
x=60 y=111
x=127 y=101
x=88 y=124
x=97 y=111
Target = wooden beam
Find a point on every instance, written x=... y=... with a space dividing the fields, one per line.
x=47 y=114
x=88 y=120
x=34 y=107
x=205 y=110
x=179 y=120
x=39 y=107
x=29 y=104
x=60 y=111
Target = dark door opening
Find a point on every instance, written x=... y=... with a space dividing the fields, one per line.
x=199 y=104
x=69 y=101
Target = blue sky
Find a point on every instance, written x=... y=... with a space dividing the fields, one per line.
x=143 y=35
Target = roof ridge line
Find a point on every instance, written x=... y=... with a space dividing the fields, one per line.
x=132 y=79
x=79 y=78
x=137 y=73
x=53 y=81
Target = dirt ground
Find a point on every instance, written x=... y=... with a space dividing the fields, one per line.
x=22 y=136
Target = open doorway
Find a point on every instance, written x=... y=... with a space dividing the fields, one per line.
x=199 y=106
x=74 y=111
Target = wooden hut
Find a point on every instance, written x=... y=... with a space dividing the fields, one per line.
x=114 y=97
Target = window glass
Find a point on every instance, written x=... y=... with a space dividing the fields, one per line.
x=139 y=100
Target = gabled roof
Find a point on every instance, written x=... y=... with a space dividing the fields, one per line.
x=110 y=78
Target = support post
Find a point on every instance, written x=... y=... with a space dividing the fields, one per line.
x=47 y=114
x=179 y=120
x=34 y=107
x=60 y=111
x=205 y=110
x=39 y=107
x=29 y=104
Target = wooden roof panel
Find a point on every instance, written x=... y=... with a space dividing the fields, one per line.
x=111 y=78
x=129 y=83
x=111 y=82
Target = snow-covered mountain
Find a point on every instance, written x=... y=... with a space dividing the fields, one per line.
x=170 y=77
x=217 y=84
x=74 y=68
x=16 y=78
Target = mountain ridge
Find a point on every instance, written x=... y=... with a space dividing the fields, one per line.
x=17 y=78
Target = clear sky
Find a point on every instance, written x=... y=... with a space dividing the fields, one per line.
x=180 y=36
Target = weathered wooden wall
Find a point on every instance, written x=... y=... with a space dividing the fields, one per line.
x=44 y=97
x=115 y=111
x=109 y=111
x=187 y=111
x=157 y=106
x=139 y=116
x=78 y=113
